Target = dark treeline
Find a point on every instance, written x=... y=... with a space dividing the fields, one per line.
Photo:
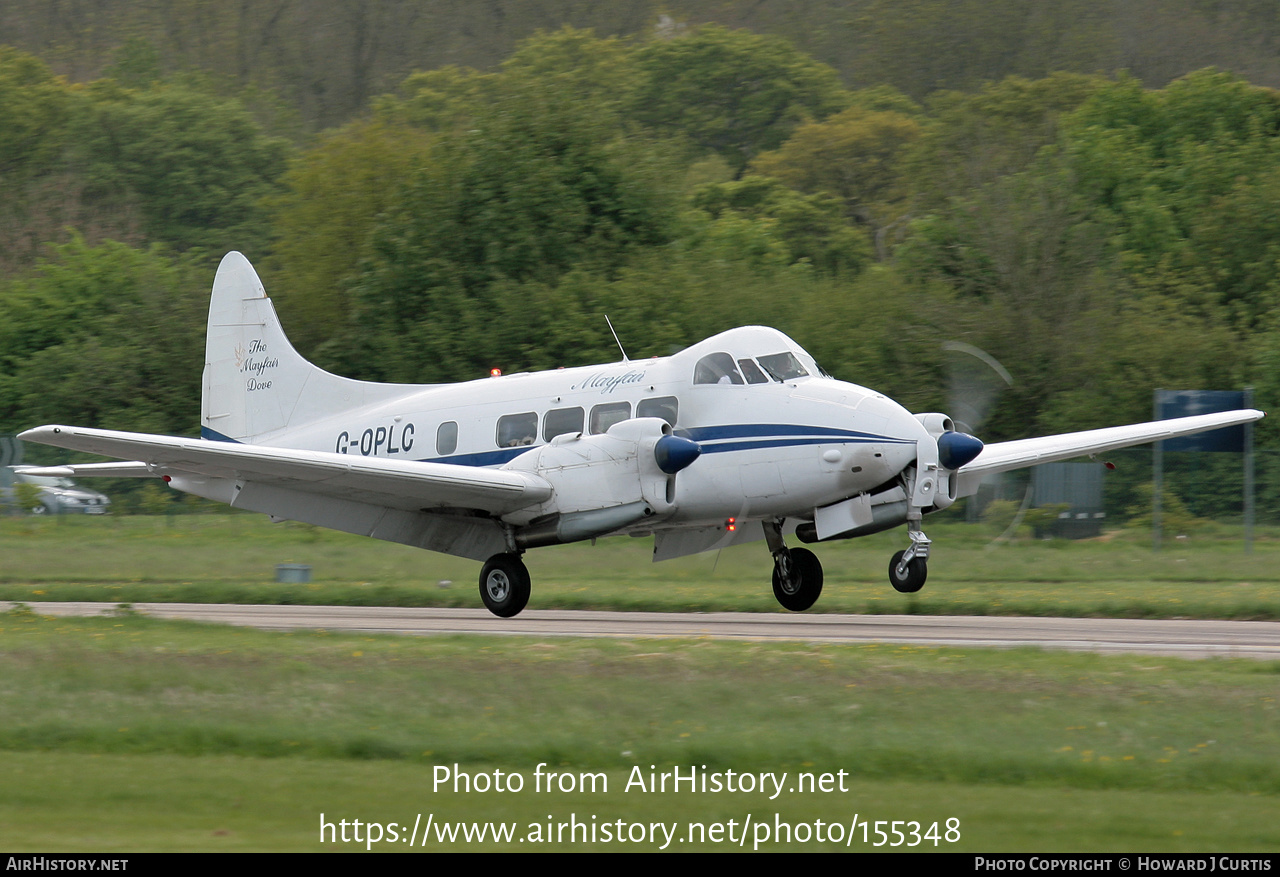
x=327 y=58
x=452 y=210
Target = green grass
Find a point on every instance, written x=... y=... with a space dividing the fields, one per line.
x=232 y=558
x=128 y=733
x=117 y=720
x=129 y=803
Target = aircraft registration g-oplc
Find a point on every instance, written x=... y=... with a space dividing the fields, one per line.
x=738 y=438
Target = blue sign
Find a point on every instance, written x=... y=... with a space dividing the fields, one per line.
x=1185 y=403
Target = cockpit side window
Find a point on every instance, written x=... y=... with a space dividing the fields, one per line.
x=716 y=368
x=782 y=366
x=752 y=372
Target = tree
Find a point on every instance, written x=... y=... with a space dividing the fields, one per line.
x=34 y=106
x=104 y=336
x=789 y=227
x=541 y=181
x=731 y=92
x=856 y=156
x=197 y=166
x=334 y=195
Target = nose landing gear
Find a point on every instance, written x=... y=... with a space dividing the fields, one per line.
x=908 y=569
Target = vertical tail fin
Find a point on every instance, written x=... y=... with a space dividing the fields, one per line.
x=256 y=385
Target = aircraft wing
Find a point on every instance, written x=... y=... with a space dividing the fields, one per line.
x=1004 y=456
x=377 y=481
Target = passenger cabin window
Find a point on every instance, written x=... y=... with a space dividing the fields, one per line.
x=782 y=366
x=752 y=371
x=447 y=438
x=517 y=430
x=605 y=416
x=666 y=407
x=716 y=368
x=560 y=421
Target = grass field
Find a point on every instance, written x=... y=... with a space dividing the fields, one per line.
x=206 y=558
x=125 y=733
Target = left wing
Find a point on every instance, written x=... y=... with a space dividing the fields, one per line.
x=438 y=506
x=402 y=484
x=1004 y=456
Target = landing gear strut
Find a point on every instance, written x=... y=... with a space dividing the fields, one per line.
x=797 y=572
x=504 y=585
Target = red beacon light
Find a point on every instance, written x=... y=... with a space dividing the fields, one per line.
x=731 y=524
x=495 y=372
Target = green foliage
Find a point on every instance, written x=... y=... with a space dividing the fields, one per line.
x=334 y=194
x=790 y=227
x=1098 y=238
x=154 y=499
x=921 y=46
x=856 y=156
x=1186 y=176
x=437 y=100
x=34 y=106
x=541 y=182
x=103 y=336
x=1175 y=517
x=27 y=496
x=197 y=166
x=731 y=92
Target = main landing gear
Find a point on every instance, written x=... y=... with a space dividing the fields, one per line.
x=797 y=572
x=504 y=585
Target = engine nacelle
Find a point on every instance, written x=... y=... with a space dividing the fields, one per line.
x=602 y=483
x=936 y=424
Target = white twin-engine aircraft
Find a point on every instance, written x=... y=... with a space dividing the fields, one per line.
x=738 y=438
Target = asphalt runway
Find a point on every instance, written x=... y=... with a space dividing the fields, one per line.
x=1188 y=639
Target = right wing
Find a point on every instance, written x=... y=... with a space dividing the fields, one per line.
x=1019 y=454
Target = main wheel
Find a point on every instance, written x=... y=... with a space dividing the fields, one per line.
x=799 y=587
x=912 y=578
x=504 y=585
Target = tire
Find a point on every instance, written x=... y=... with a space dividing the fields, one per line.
x=913 y=577
x=805 y=584
x=504 y=585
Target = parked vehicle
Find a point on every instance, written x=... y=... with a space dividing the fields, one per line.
x=58 y=496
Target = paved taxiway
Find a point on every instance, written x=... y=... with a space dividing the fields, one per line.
x=1191 y=639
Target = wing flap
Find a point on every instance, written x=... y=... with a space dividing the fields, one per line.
x=393 y=483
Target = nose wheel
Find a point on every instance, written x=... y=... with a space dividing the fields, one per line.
x=908 y=569
x=907 y=576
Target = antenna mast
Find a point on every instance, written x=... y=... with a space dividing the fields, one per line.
x=615 y=338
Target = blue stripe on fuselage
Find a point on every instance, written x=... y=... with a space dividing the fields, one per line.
x=762 y=430
x=751 y=436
